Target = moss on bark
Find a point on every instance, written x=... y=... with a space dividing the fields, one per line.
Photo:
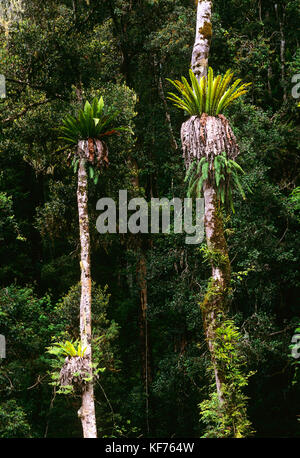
x=206 y=30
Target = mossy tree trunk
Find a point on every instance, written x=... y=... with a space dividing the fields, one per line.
x=87 y=411
x=207 y=137
x=215 y=302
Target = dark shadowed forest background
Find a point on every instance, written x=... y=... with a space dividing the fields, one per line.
x=148 y=333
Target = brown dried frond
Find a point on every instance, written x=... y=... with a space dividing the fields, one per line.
x=74 y=372
x=207 y=136
x=95 y=151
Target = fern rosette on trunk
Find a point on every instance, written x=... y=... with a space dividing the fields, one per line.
x=208 y=141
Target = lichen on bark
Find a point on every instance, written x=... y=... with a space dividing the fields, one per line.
x=206 y=30
x=87 y=411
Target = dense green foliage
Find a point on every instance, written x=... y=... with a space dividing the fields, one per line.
x=124 y=51
x=230 y=420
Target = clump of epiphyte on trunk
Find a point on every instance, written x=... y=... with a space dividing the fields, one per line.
x=72 y=374
x=87 y=130
x=75 y=373
x=222 y=172
x=210 y=95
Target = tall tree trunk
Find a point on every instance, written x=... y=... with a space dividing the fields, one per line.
x=140 y=248
x=281 y=21
x=208 y=136
x=87 y=411
x=161 y=92
x=214 y=302
x=215 y=299
x=143 y=326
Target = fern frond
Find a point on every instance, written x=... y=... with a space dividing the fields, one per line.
x=210 y=95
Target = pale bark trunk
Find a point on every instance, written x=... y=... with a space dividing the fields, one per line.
x=87 y=411
x=218 y=137
x=208 y=136
x=203 y=38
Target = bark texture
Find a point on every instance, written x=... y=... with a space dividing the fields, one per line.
x=203 y=38
x=87 y=411
x=94 y=151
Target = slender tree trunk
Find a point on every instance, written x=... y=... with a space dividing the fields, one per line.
x=143 y=325
x=87 y=411
x=215 y=299
x=209 y=136
x=259 y=10
x=282 y=58
x=141 y=277
x=163 y=98
x=281 y=21
x=203 y=38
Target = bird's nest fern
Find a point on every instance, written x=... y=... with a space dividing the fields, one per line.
x=210 y=95
x=90 y=122
x=88 y=130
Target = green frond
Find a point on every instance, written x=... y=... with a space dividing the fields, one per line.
x=208 y=101
x=204 y=170
x=215 y=92
x=197 y=90
x=225 y=174
x=90 y=122
x=211 y=95
x=189 y=171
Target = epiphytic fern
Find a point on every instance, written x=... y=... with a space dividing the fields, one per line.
x=224 y=173
x=210 y=95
